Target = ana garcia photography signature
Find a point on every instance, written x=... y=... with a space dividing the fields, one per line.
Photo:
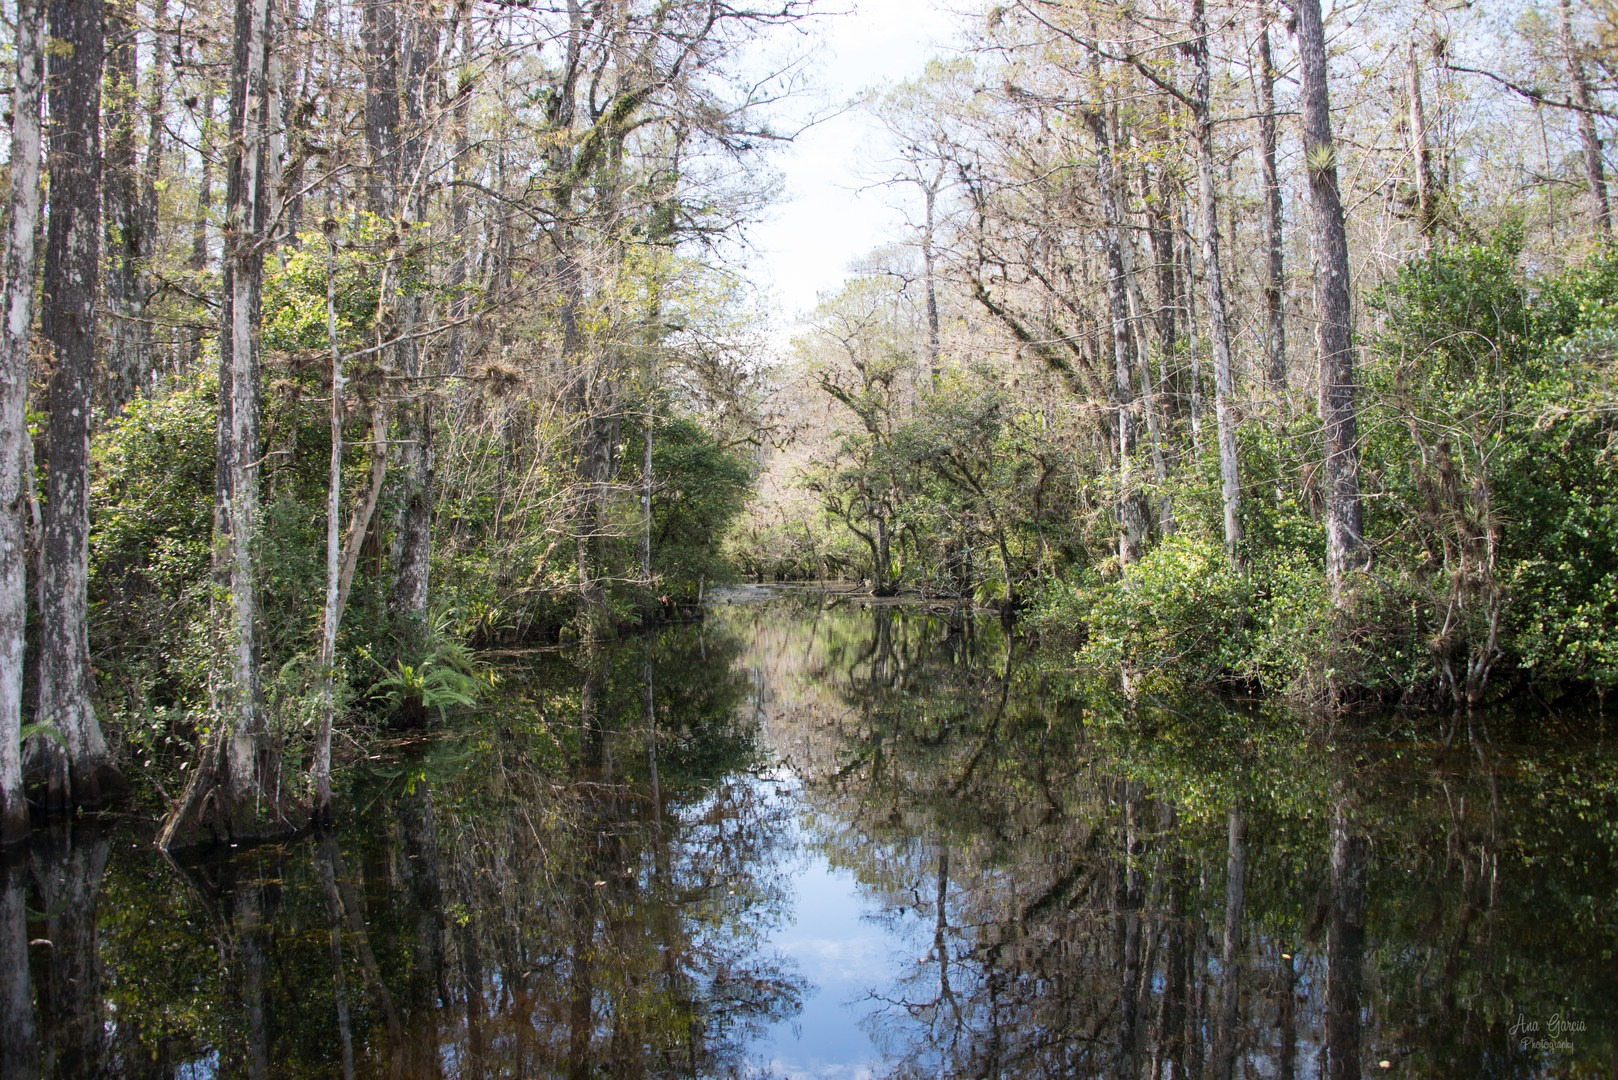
x=1547 y=1034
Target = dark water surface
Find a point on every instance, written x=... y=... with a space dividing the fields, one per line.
x=817 y=839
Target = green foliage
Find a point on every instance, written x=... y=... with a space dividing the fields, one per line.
x=949 y=483
x=295 y=288
x=441 y=673
x=505 y=562
x=152 y=488
x=1181 y=614
x=1487 y=464
x=699 y=488
x=1495 y=461
x=151 y=504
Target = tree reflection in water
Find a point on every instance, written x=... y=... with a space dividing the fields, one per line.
x=583 y=882
x=1090 y=886
x=589 y=878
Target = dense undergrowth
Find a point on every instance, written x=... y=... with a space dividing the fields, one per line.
x=1488 y=468
x=503 y=574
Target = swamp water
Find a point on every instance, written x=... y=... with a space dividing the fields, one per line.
x=811 y=838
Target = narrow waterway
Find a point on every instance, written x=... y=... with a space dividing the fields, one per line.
x=816 y=837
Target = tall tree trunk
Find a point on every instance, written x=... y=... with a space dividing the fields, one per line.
x=1426 y=205
x=236 y=790
x=1594 y=168
x=929 y=269
x=1189 y=260
x=21 y=258
x=74 y=770
x=1213 y=279
x=1345 y=543
x=459 y=212
x=342 y=550
x=1131 y=506
x=128 y=348
x=320 y=768
x=411 y=584
x=646 y=499
x=1143 y=359
x=1160 y=231
x=197 y=264
x=1275 y=330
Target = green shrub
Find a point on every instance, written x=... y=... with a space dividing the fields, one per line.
x=1181 y=614
x=151 y=509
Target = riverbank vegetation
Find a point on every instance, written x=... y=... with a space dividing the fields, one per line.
x=370 y=335
x=353 y=338
x=1229 y=362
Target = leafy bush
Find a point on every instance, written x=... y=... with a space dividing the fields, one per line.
x=1491 y=462
x=151 y=504
x=699 y=488
x=1181 y=614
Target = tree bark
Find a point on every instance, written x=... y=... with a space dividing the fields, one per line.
x=459 y=213
x=197 y=264
x=1143 y=360
x=1426 y=206
x=1345 y=543
x=1160 y=231
x=128 y=347
x=395 y=121
x=1131 y=508
x=1213 y=280
x=1275 y=331
x=320 y=768
x=929 y=269
x=412 y=587
x=21 y=258
x=73 y=771
x=235 y=792
x=1594 y=170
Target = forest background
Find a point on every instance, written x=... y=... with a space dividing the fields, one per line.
x=1232 y=344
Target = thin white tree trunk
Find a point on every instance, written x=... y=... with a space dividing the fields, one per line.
x=21 y=260
x=342 y=551
x=1131 y=508
x=321 y=769
x=1213 y=279
x=1148 y=393
x=1426 y=208
x=236 y=789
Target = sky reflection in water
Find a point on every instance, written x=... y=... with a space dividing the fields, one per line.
x=856 y=842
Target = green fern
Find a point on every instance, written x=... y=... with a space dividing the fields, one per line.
x=48 y=730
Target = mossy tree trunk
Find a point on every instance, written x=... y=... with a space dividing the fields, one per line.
x=74 y=769
x=21 y=258
x=236 y=791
